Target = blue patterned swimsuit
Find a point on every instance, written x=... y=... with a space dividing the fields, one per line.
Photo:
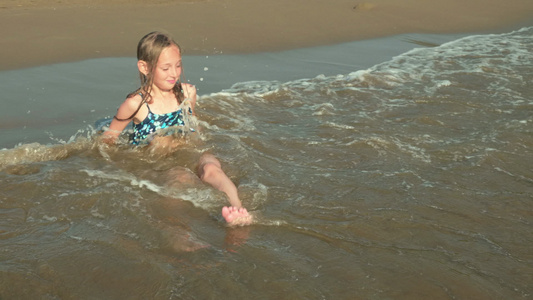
x=144 y=131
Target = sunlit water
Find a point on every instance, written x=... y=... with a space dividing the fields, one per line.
x=409 y=180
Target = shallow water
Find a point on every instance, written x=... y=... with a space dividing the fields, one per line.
x=407 y=180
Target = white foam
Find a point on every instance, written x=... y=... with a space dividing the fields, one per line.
x=124 y=176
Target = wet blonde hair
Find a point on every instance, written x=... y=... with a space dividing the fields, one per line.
x=148 y=50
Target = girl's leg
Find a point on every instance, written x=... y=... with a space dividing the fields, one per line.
x=210 y=171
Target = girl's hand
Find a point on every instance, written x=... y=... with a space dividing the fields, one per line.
x=189 y=91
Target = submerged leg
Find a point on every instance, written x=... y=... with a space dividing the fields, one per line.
x=210 y=171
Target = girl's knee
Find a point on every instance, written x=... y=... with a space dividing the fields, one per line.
x=208 y=166
x=208 y=158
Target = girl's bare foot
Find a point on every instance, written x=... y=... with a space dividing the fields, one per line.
x=236 y=216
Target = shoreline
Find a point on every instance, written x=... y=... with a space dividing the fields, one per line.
x=49 y=32
x=91 y=89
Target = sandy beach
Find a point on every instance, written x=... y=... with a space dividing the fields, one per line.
x=44 y=32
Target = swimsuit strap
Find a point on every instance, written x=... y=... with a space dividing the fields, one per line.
x=149 y=110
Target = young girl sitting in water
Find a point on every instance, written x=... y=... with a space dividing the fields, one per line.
x=156 y=105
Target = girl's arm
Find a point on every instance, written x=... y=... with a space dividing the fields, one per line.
x=125 y=110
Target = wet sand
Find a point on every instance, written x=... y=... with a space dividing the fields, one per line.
x=44 y=32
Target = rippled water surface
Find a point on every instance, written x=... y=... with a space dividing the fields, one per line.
x=408 y=180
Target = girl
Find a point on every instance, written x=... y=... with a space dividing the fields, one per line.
x=155 y=105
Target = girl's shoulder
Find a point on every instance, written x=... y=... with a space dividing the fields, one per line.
x=133 y=100
x=130 y=107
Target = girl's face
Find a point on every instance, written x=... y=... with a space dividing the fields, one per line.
x=168 y=68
